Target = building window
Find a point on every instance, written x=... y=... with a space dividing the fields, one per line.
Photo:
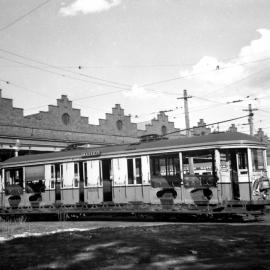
x=163 y=130
x=66 y=118
x=119 y=124
x=134 y=166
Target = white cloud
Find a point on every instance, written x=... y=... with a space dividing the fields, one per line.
x=257 y=49
x=248 y=68
x=244 y=78
x=138 y=92
x=88 y=6
x=212 y=71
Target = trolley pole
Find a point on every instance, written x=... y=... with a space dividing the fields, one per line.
x=186 y=97
x=250 y=119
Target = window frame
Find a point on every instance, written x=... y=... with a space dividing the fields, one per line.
x=196 y=179
x=255 y=167
x=135 y=180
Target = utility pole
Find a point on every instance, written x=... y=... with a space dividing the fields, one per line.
x=250 y=119
x=186 y=97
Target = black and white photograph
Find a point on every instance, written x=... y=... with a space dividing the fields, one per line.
x=134 y=134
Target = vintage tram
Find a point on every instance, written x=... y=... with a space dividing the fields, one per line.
x=213 y=170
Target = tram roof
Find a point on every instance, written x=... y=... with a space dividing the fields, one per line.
x=211 y=140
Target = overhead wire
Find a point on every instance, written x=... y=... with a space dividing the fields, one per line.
x=23 y=16
x=24 y=88
x=100 y=81
x=46 y=96
x=144 y=65
x=215 y=123
x=202 y=72
x=61 y=130
x=62 y=74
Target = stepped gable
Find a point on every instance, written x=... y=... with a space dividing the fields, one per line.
x=8 y=113
x=118 y=123
x=62 y=116
x=201 y=129
x=162 y=126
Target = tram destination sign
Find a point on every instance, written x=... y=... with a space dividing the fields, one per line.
x=91 y=154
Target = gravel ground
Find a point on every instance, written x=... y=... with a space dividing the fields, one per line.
x=135 y=245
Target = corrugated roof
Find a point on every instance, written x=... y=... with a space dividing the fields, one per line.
x=211 y=139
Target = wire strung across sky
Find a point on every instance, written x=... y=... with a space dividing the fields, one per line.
x=114 y=84
x=214 y=69
x=24 y=15
x=99 y=81
x=215 y=123
x=94 y=80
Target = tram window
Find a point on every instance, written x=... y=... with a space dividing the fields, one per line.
x=76 y=174
x=61 y=171
x=58 y=171
x=138 y=164
x=76 y=169
x=134 y=167
x=85 y=173
x=130 y=171
x=165 y=170
x=13 y=180
x=257 y=159
x=242 y=160
x=198 y=168
x=225 y=161
x=35 y=179
x=52 y=171
x=165 y=165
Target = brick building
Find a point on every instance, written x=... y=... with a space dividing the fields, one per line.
x=62 y=125
x=201 y=129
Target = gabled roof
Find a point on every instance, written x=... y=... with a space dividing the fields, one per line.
x=211 y=140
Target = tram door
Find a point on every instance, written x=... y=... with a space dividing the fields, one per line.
x=107 y=182
x=82 y=176
x=234 y=176
x=58 y=179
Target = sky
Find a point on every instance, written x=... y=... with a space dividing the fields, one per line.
x=141 y=54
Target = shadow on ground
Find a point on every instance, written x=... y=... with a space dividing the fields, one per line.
x=190 y=246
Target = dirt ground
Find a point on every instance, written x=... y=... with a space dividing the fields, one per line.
x=142 y=246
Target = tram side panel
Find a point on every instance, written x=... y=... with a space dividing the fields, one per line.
x=93 y=189
x=121 y=192
x=48 y=197
x=70 y=183
x=131 y=180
